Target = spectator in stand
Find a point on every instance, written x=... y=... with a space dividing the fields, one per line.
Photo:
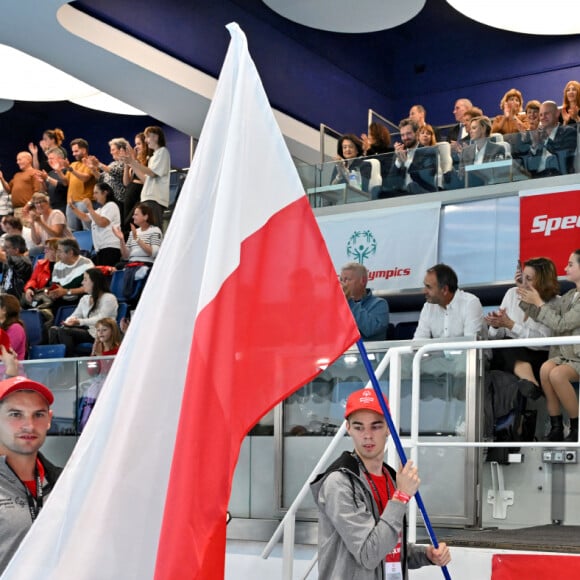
x=448 y=311
x=551 y=149
x=426 y=136
x=55 y=182
x=370 y=312
x=107 y=215
x=81 y=325
x=414 y=169
x=80 y=181
x=51 y=139
x=458 y=146
x=5 y=199
x=511 y=322
x=144 y=240
x=155 y=175
x=12 y=225
x=133 y=184
x=418 y=114
x=378 y=140
x=107 y=342
x=570 y=110
x=458 y=131
x=563 y=367
x=377 y=145
x=16 y=266
x=11 y=323
x=112 y=174
x=67 y=274
x=349 y=151
x=480 y=150
x=45 y=222
x=533 y=114
x=23 y=184
x=35 y=294
x=107 y=339
x=513 y=119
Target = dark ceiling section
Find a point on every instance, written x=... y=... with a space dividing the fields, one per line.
x=319 y=76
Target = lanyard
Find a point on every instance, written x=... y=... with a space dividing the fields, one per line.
x=373 y=485
x=34 y=504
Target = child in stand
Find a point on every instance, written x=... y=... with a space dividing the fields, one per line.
x=107 y=343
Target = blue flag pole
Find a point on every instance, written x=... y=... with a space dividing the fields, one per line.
x=398 y=444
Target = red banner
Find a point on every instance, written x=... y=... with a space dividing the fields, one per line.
x=550 y=225
x=530 y=567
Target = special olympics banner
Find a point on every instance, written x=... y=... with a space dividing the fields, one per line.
x=550 y=224
x=396 y=245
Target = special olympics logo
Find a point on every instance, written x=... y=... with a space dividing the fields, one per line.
x=361 y=245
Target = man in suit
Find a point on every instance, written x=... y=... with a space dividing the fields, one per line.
x=415 y=168
x=459 y=132
x=550 y=149
x=418 y=114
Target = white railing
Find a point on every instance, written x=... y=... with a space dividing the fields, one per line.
x=393 y=358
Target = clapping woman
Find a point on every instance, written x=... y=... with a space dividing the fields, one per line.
x=510 y=321
x=563 y=367
x=103 y=219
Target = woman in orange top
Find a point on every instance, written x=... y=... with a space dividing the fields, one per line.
x=513 y=119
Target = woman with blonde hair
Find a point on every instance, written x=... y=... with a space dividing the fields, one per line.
x=513 y=119
x=570 y=103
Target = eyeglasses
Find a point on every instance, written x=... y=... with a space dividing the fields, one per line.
x=40 y=202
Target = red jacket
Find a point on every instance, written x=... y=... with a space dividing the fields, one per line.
x=40 y=275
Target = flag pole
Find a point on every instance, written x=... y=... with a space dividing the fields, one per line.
x=398 y=444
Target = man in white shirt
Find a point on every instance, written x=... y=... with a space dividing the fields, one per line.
x=448 y=311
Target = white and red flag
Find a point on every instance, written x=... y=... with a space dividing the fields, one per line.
x=241 y=308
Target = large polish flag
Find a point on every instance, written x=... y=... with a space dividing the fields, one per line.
x=242 y=307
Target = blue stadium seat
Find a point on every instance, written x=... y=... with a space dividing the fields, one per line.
x=40 y=351
x=63 y=313
x=122 y=311
x=33 y=324
x=85 y=240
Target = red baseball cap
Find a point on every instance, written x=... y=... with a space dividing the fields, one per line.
x=14 y=384
x=363 y=399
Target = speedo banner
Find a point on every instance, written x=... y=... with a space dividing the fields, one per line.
x=396 y=245
x=550 y=224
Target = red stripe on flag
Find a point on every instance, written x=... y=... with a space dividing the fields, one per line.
x=258 y=341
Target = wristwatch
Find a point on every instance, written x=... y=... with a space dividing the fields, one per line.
x=69 y=292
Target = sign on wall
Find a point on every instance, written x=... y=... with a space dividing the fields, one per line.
x=396 y=245
x=550 y=224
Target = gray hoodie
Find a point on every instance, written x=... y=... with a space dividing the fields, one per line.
x=353 y=538
x=15 y=517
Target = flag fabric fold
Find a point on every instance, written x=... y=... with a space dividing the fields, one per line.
x=241 y=308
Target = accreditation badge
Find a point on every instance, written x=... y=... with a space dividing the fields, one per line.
x=393 y=568
x=393 y=571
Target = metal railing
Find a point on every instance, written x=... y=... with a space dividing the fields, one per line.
x=392 y=360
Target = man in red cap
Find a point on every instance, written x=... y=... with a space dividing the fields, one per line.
x=26 y=477
x=362 y=504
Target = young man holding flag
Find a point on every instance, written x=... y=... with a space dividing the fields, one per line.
x=362 y=503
